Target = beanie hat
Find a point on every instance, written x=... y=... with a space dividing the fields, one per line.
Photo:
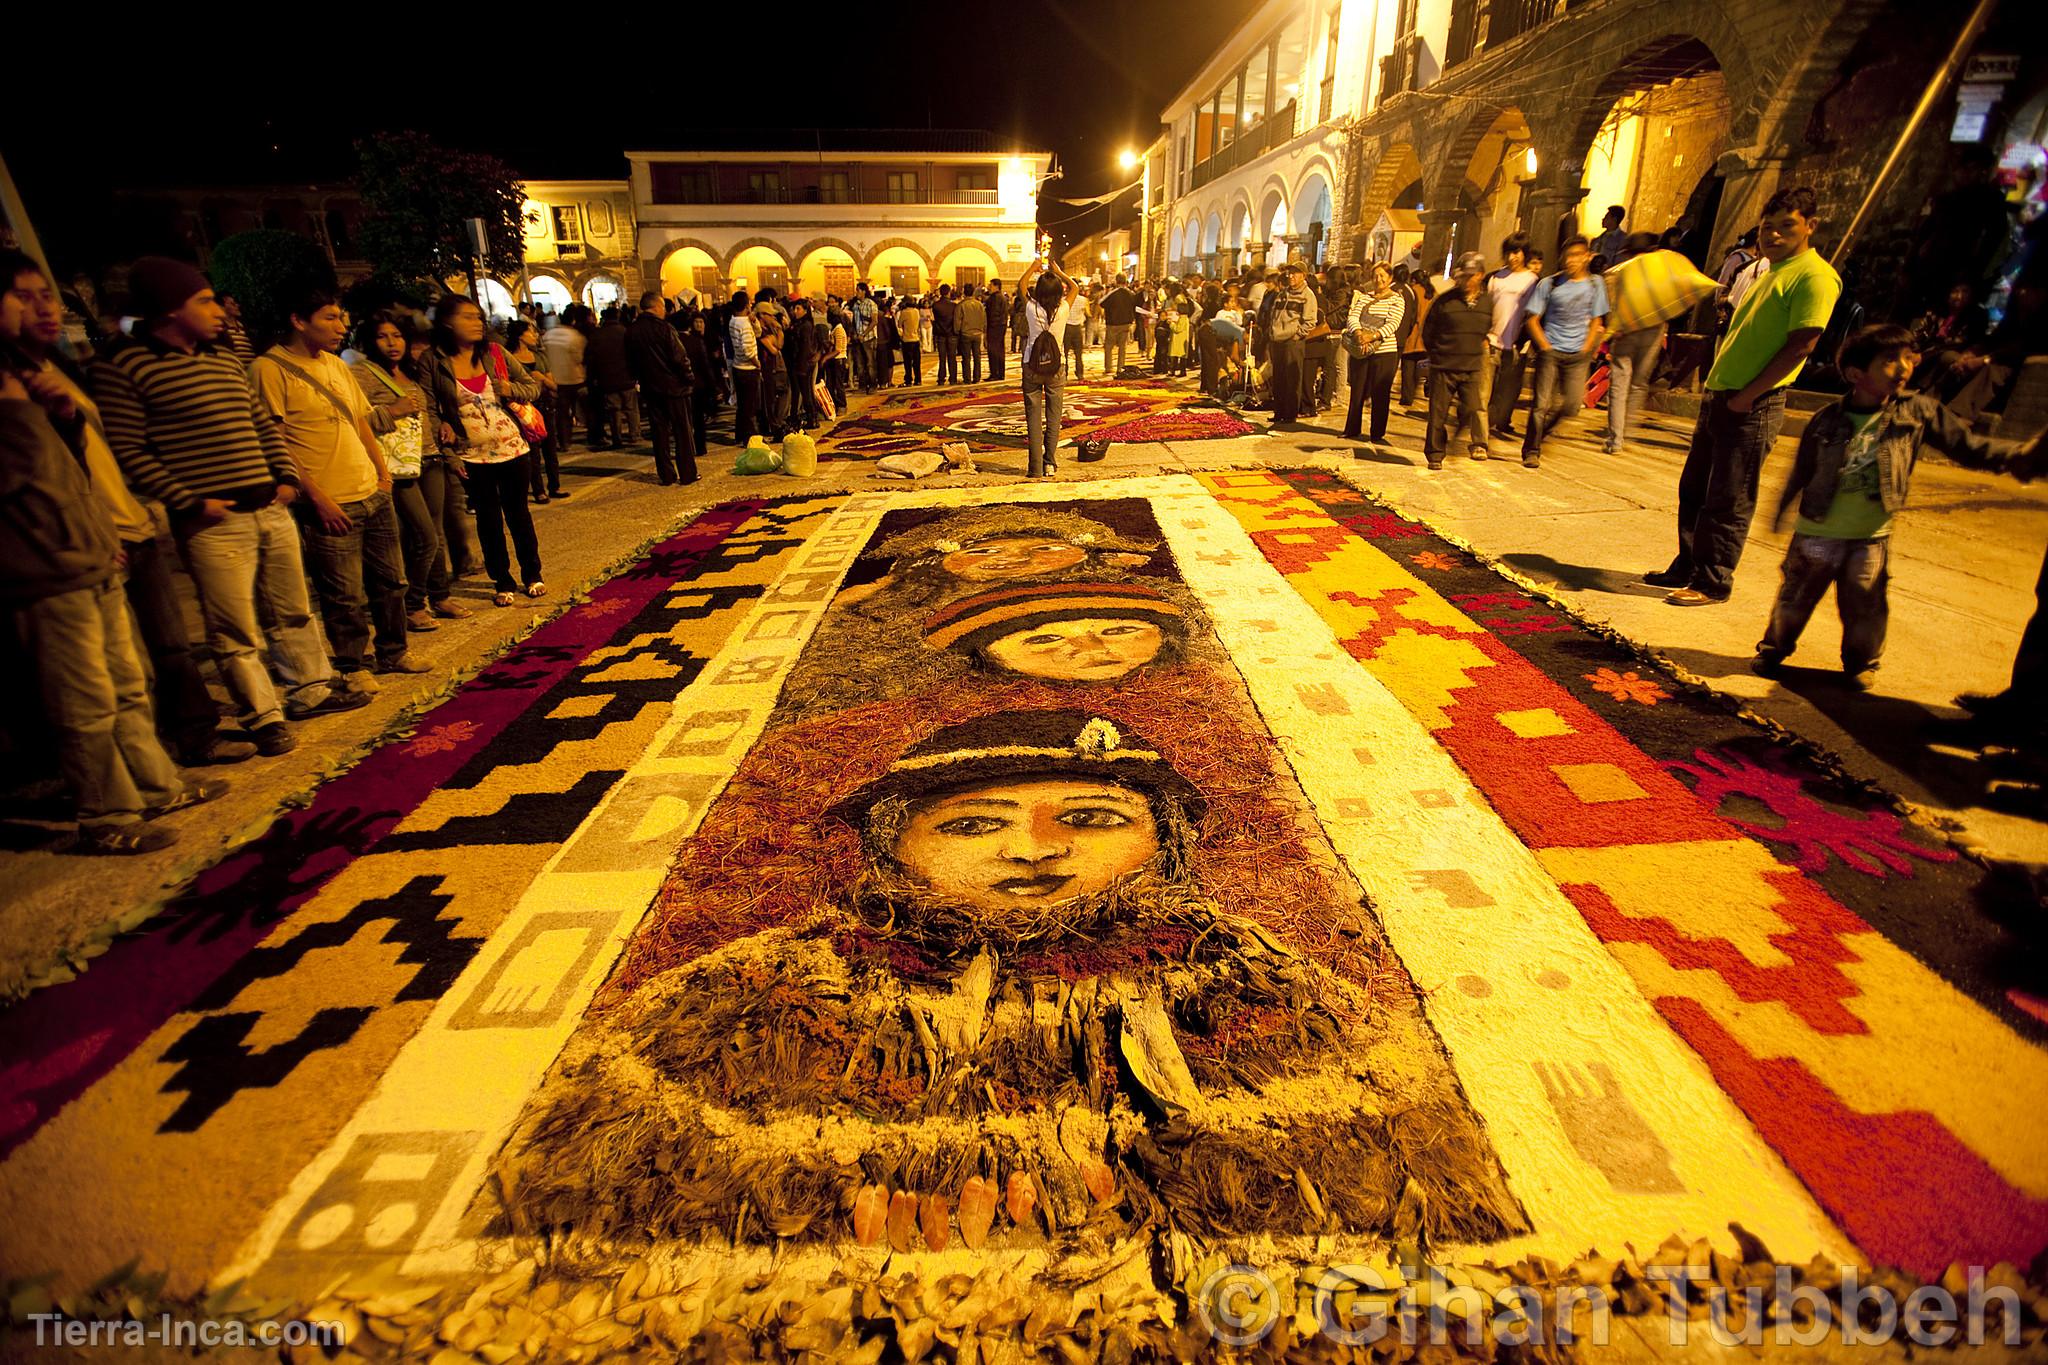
x=975 y=622
x=1015 y=744
x=158 y=285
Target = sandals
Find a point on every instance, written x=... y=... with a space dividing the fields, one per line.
x=506 y=599
x=536 y=589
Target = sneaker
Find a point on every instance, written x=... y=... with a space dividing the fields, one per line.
x=421 y=620
x=336 y=699
x=122 y=840
x=404 y=663
x=361 y=682
x=1767 y=663
x=1479 y=453
x=1693 y=597
x=214 y=751
x=274 y=739
x=1860 y=679
x=448 y=609
x=1667 y=578
x=195 y=794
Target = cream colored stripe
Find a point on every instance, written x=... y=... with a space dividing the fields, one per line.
x=489 y=1041
x=1512 y=977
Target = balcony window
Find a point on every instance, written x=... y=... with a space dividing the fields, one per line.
x=675 y=183
x=1229 y=100
x=902 y=187
x=1258 y=90
x=835 y=187
x=1328 y=96
x=764 y=187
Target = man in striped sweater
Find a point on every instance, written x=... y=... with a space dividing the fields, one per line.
x=185 y=423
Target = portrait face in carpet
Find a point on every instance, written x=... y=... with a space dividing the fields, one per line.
x=1025 y=900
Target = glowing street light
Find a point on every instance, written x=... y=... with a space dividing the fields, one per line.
x=1127 y=159
x=1529 y=160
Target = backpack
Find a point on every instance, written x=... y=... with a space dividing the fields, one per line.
x=1044 y=360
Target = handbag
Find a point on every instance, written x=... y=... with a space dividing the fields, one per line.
x=532 y=425
x=405 y=446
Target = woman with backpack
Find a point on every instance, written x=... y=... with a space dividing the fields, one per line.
x=474 y=385
x=1048 y=308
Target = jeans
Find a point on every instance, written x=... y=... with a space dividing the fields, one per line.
x=186 y=715
x=360 y=576
x=1503 y=387
x=862 y=352
x=1560 y=392
x=1319 y=373
x=426 y=563
x=1074 y=341
x=804 y=397
x=913 y=372
x=746 y=406
x=500 y=493
x=544 y=470
x=1286 y=358
x=996 y=351
x=669 y=413
x=1411 y=375
x=245 y=558
x=1372 y=376
x=1717 y=489
x=96 y=697
x=970 y=357
x=568 y=402
x=441 y=485
x=1116 y=347
x=949 y=358
x=1631 y=357
x=1443 y=386
x=1045 y=403
x=1859 y=571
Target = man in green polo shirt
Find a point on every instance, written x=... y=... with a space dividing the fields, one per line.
x=1775 y=329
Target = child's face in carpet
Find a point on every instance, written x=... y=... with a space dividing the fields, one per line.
x=1093 y=649
x=1012 y=557
x=1019 y=844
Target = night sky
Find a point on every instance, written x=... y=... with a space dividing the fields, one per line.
x=205 y=104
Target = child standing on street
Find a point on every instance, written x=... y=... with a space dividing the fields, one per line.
x=1850 y=479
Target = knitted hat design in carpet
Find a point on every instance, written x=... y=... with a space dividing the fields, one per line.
x=946 y=557
x=1008 y=745
x=1067 y=632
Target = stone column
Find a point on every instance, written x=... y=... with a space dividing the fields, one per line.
x=1436 y=235
x=1544 y=208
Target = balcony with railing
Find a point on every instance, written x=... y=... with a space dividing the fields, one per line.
x=1253 y=143
x=1401 y=69
x=1480 y=25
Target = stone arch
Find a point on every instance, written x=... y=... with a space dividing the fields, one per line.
x=746 y=244
x=1486 y=127
x=1262 y=213
x=1398 y=165
x=1176 y=243
x=991 y=257
x=1669 y=57
x=679 y=267
x=1318 y=165
x=1237 y=224
x=670 y=248
x=867 y=262
x=816 y=244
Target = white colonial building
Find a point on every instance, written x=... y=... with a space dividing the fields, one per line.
x=1256 y=142
x=901 y=210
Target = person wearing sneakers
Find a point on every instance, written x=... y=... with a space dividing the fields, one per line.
x=353 y=545
x=1454 y=334
x=185 y=425
x=60 y=581
x=1566 y=315
x=1777 y=325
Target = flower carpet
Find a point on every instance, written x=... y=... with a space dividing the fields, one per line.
x=992 y=417
x=875 y=913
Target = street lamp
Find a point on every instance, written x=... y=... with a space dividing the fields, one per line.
x=1127 y=159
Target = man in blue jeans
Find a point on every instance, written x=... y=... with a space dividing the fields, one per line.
x=1564 y=317
x=351 y=527
x=1775 y=329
